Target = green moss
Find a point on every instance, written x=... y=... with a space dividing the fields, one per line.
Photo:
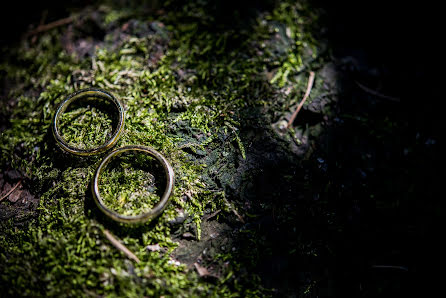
x=85 y=127
x=128 y=186
x=183 y=86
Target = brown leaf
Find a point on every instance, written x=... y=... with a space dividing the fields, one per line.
x=15 y=196
x=201 y=270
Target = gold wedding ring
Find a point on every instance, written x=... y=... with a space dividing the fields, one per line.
x=90 y=93
x=152 y=213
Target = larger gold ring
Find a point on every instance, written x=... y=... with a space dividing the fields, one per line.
x=82 y=94
x=152 y=213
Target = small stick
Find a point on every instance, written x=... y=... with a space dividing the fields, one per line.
x=121 y=246
x=238 y=215
x=213 y=214
x=51 y=25
x=376 y=93
x=391 y=267
x=234 y=211
x=307 y=93
x=11 y=190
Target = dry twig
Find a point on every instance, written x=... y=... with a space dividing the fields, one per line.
x=307 y=93
x=116 y=243
x=376 y=93
x=49 y=26
x=238 y=215
x=402 y=268
x=11 y=190
x=234 y=211
x=212 y=214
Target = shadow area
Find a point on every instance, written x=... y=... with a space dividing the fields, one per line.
x=347 y=215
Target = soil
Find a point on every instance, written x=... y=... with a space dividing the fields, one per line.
x=23 y=203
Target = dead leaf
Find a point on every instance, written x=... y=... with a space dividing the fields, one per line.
x=201 y=270
x=154 y=247
x=15 y=196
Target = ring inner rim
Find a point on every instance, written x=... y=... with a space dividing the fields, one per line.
x=86 y=93
x=157 y=209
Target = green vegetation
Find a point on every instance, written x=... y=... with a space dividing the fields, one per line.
x=85 y=128
x=186 y=87
x=128 y=186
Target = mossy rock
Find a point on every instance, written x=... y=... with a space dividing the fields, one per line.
x=194 y=89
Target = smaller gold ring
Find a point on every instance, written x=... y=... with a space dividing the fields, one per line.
x=152 y=213
x=88 y=93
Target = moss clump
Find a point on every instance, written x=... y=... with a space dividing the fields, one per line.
x=185 y=89
x=85 y=127
x=128 y=184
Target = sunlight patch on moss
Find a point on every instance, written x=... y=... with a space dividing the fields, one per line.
x=128 y=187
x=85 y=128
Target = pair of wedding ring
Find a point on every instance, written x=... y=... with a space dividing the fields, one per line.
x=94 y=94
